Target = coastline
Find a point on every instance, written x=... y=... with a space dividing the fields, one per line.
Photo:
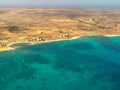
x=8 y=47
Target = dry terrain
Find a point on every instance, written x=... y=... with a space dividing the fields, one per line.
x=43 y=25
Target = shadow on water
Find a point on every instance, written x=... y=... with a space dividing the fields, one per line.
x=75 y=62
x=80 y=46
x=107 y=42
x=35 y=59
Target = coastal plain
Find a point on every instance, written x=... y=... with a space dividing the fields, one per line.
x=46 y=25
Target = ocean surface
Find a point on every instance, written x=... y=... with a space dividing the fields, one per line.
x=90 y=63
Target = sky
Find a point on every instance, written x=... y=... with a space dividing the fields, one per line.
x=60 y=3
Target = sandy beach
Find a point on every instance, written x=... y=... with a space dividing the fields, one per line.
x=8 y=47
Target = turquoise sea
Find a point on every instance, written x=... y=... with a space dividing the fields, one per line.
x=90 y=63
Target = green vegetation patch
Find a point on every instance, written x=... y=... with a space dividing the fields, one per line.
x=14 y=29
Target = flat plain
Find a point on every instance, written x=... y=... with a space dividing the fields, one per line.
x=43 y=25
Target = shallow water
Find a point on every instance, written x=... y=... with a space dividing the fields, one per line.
x=92 y=63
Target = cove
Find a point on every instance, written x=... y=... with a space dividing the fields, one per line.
x=90 y=63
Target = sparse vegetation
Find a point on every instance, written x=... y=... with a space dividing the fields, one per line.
x=52 y=23
x=14 y=29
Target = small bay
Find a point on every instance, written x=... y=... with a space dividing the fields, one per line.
x=90 y=63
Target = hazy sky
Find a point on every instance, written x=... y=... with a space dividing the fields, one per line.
x=59 y=3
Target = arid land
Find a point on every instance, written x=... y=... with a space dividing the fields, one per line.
x=46 y=25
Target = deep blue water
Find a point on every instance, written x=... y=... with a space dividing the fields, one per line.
x=91 y=63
